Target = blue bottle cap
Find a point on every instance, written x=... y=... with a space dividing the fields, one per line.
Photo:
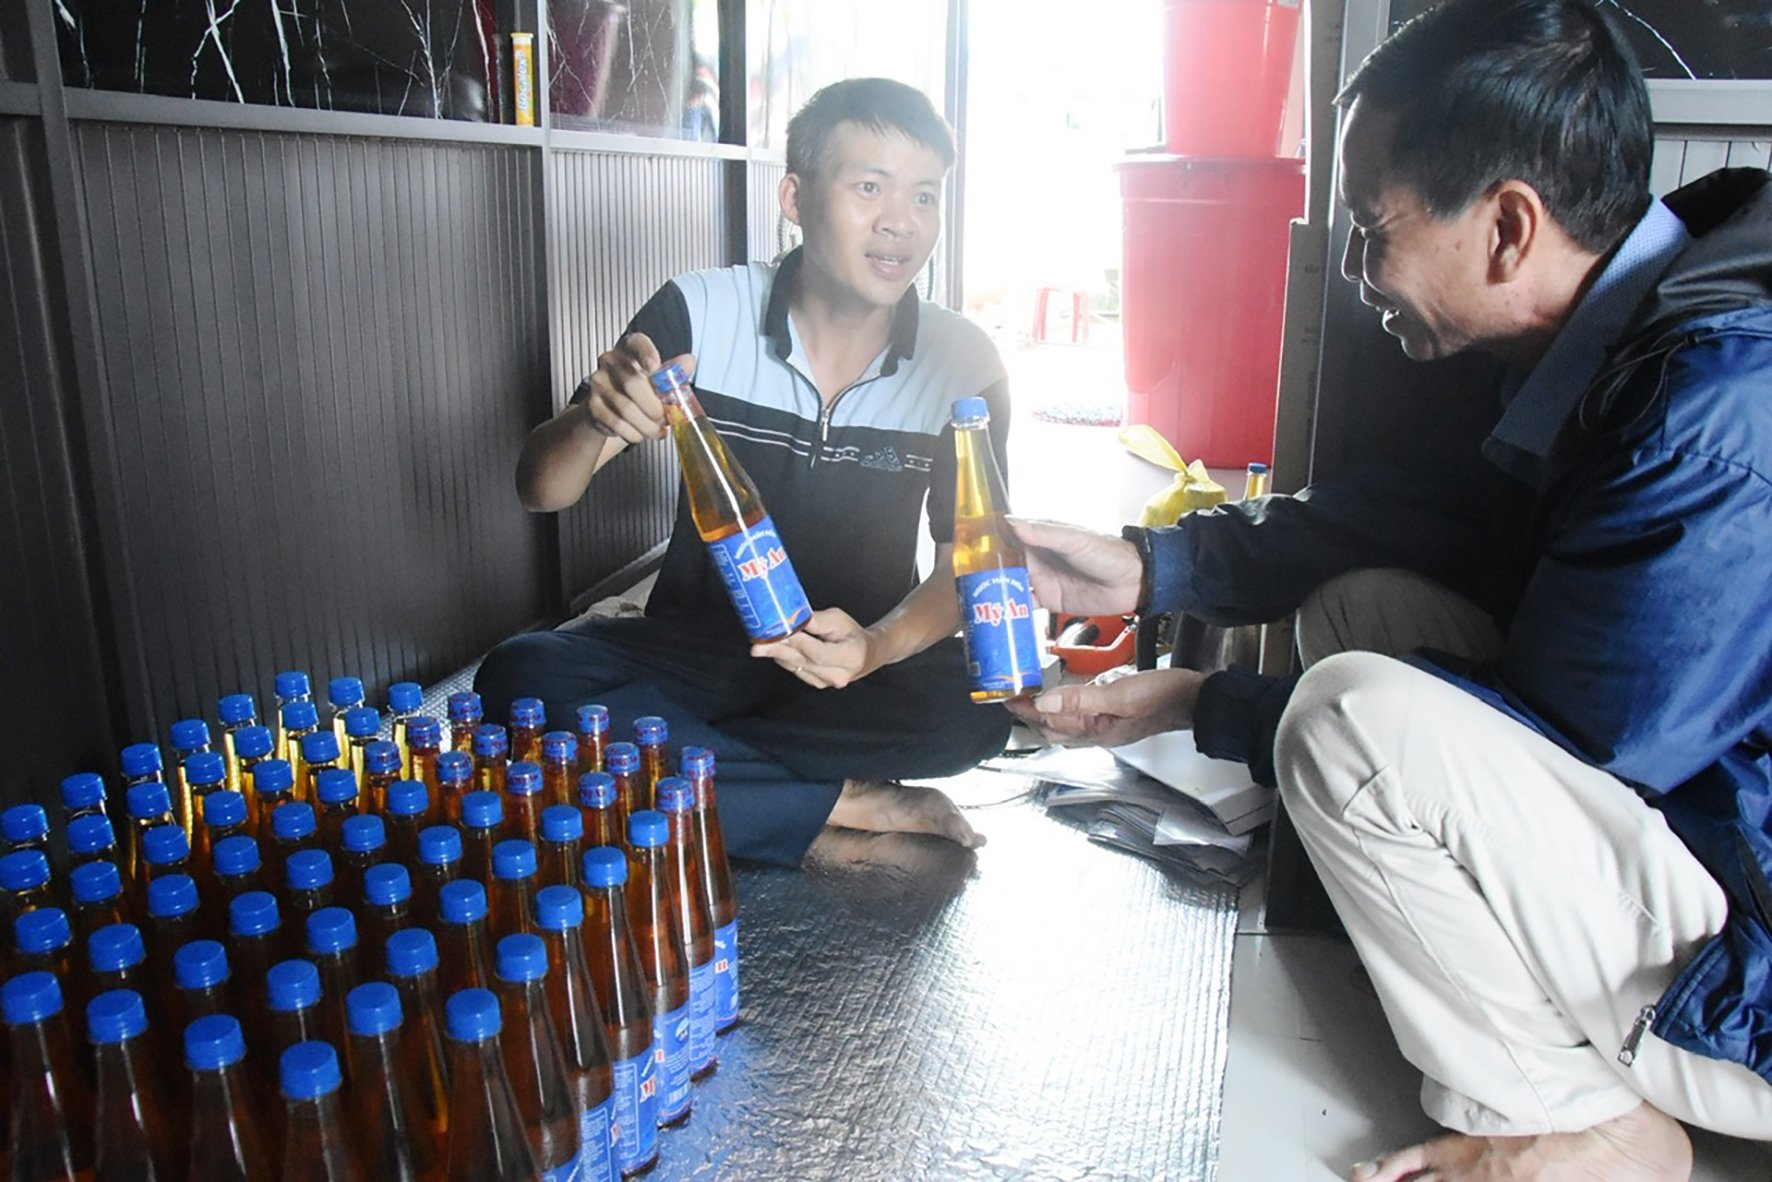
x=165 y=844
x=308 y=870
x=621 y=759
x=83 y=790
x=172 y=895
x=650 y=730
x=140 y=759
x=272 y=777
x=522 y=957
x=299 y=716
x=319 y=747
x=971 y=411
x=292 y=985
x=513 y=859
x=309 y=1070
x=336 y=785
x=235 y=709
x=372 y=1009
x=224 y=808
x=363 y=834
x=648 y=829
x=472 y=1015
x=151 y=799
x=593 y=720
x=669 y=378
x=189 y=734
x=1257 y=468
x=292 y=820
x=439 y=845
x=465 y=708
x=345 y=692
x=408 y=798
x=90 y=834
x=482 y=810
x=387 y=884
x=213 y=1042
x=411 y=951
x=455 y=767
x=200 y=965
x=528 y=712
x=596 y=790
x=115 y=947
x=423 y=731
x=558 y=908
x=381 y=758
x=24 y=822
x=96 y=882
x=293 y=685
x=32 y=997
x=562 y=822
x=331 y=929
x=675 y=795
x=490 y=741
x=462 y=900
x=42 y=930
x=206 y=768
x=404 y=697
x=604 y=866
x=362 y=722
x=115 y=1015
x=559 y=746
x=253 y=742
x=523 y=778
x=236 y=855
x=253 y=913
x=696 y=761
x=22 y=870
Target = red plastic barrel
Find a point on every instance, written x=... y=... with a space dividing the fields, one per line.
x=1202 y=299
x=1227 y=65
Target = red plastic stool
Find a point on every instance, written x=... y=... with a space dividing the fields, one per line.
x=1079 y=313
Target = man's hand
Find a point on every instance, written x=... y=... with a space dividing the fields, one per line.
x=831 y=651
x=1079 y=570
x=1118 y=708
x=622 y=403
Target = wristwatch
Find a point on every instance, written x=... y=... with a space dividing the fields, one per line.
x=1141 y=540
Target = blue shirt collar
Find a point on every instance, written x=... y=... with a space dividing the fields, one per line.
x=1540 y=401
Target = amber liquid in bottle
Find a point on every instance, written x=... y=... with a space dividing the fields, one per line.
x=627 y=1019
x=717 y=887
x=660 y=945
x=51 y=1131
x=487 y=1141
x=984 y=545
x=537 y=1070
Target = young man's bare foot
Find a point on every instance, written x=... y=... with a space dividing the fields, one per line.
x=1643 y=1145
x=881 y=806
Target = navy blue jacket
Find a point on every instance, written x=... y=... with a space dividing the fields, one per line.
x=1636 y=597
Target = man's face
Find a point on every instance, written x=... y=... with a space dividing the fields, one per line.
x=1427 y=276
x=872 y=214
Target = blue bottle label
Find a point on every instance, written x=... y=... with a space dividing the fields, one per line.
x=670 y=1038
x=565 y=1172
x=636 y=1109
x=758 y=575
x=597 y=1147
x=701 y=1015
x=726 y=975
x=997 y=609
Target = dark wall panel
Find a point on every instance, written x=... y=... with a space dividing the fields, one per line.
x=620 y=226
x=53 y=694
x=316 y=354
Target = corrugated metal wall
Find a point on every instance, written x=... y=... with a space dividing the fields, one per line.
x=767 y=230
x=1679 y=159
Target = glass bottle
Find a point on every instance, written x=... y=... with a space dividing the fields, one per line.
x=148 y=804
x=513 y=888
x=424 y=745
x=291 y=687
x=384 y=1097
x=528 y=717
x=1255 y=481
x=307 y=885
x=695 y=923
x=622 y=762
x=319 y=755
x=698 y=768
x=559 y=766
x=165 y=850
x=227 y=1144
x=336 y=790
x=300 y=720
x=236 y=712
x=660 y=945
x=205 y=773
x=271 y=785
x=343 y=694
x=461 y=937
x=627 y=1010
x=255 y=934
x=190 y=736
x=409 y=814
x=224 y=816
x=593 y=736
x=465 y=715
x=492 y=751
x=651 y=736
x=317 y=1144
x=362 y=724
x=455 y=779
x=364 y=839
x=135 y=1139
x=531 y=1046
x=98 y=898
x=387 y=908
x=91 y=839
x=439 y=862
x=51 y=1133
x=42 y=940
x=730 y=517
x=405 y=700
x=572 y=1001
x=173 y=922
x=332 y=946
x=412 y=967
x=482 y=827
x=237 y=867
x=83 y=794
x=253 y=745
x=596 y=800
x=25 y=826
x=292 y=993
x=523 y=800
x=116 y=958
x=990 y=572
x=293 y=830
x=204 y=984
x=487 y=1140
x=381 y=769
x=24 y=884
x=562 y=845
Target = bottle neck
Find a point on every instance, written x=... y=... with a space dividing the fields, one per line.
x=315 y=1136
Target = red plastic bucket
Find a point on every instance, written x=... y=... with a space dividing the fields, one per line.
x=1227 y=65
x=1203 y=297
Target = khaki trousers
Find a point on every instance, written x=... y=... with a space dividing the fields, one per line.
x=1515 y=907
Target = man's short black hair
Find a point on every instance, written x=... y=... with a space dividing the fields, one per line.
x=1542 y=91
x=878 y=104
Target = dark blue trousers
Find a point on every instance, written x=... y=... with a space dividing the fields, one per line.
x=783 y=749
